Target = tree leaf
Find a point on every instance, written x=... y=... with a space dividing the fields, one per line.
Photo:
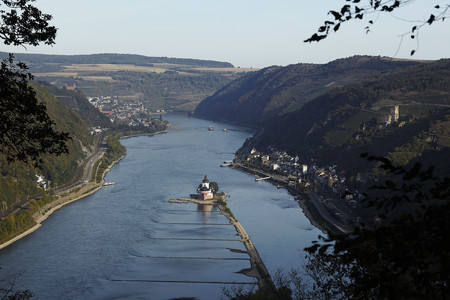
x=336 y=28
x=315 y=38
x=344 y=9
x=337 y=16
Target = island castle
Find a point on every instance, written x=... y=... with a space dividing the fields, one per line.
x=204 y=191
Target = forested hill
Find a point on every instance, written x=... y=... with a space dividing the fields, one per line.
x=271 y=92
x=114 y=58
x=17 y=180
x=339 y=125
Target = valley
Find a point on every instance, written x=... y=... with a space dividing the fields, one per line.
x=318 y=131
x=159 y=83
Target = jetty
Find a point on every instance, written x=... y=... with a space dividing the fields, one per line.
x=257 y=268
x=178 y=201
x=207 y=195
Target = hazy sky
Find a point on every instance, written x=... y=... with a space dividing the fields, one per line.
x=246 y=33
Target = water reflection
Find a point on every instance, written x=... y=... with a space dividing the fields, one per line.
x=206 y=209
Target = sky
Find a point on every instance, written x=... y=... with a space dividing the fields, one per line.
x=246 y=33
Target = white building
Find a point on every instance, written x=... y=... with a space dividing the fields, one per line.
x=204 y=191
x=41 y=181
x=304 y=169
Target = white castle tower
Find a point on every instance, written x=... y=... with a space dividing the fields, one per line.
x=204 y=191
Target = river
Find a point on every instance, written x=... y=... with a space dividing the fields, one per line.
x=127 y=241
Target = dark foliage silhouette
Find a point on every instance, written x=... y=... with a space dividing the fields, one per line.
x=358 y=10
x=26 y=131
x=405 y=256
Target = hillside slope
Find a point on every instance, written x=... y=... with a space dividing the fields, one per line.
x=338 y=126
x=18 y=181
x=260 y=96
x=77 y=102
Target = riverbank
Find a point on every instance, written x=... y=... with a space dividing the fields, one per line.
x=298 y=195
x=74 y=194
x=147 y=133
x=257 y=268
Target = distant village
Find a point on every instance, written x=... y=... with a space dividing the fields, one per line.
x=341 y=198
x=118 y=110
x=325 y=176
x=122 y=112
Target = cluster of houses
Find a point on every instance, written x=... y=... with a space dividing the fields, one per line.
x=116 y=110
x=278 y=161
x=122 y=112
x=305 y=174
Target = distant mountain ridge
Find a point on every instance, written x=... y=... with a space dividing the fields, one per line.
x=271 y=92
x=160 y=83
x=410 y=88
x=114 y=58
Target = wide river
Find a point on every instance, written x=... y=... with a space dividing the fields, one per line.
x=127 y=241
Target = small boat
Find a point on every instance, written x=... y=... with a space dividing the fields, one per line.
x=224 y=130
x=263 y=178
x=210 y=128
x=109 y=183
